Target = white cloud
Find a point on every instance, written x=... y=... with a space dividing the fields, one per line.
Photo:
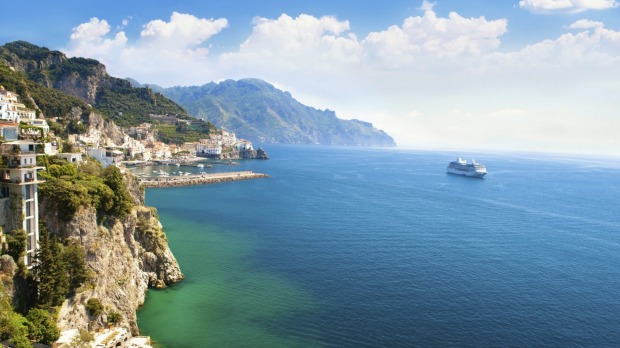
x=566 y=6
x=448 y=69
x=304 y=42
x=427 y=6
x=429 y=35
x=182 y=31
x=90 y=31
x=586 y=24
x=164 y=49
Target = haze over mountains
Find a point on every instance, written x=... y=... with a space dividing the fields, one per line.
x=256 y=110
x=251 y=108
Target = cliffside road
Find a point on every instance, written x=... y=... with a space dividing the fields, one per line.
x=199 y=179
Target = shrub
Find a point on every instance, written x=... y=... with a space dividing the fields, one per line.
x=94 y=307
x=41 y=326
x=114 y=318
x=67 y=197
x=16 y=244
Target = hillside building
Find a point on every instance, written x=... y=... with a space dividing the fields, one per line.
x=19 y=203
x=107 y=156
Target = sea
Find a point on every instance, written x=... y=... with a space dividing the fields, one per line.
x=366 y=247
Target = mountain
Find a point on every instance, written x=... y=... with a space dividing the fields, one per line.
x=40 y=73
x=256 y=110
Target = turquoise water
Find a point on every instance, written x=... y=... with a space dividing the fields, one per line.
x=379 y=247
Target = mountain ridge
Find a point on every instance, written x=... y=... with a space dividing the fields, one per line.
x=255 y=109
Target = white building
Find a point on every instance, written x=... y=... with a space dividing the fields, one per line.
x=243 y=144
x=8 y=112
x=107 y=156
x=18 y=178
x=71 y=157
x=12 y=110
x=39 y=123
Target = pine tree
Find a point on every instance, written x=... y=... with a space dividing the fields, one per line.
x=75 y=257
x=50 y=271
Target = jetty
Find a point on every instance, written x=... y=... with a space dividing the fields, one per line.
x=199 y=179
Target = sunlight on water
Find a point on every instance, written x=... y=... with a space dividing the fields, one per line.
x=377 y=247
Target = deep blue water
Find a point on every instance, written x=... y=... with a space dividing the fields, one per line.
x=380 y=247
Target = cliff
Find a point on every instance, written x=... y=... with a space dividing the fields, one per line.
x=126 y=256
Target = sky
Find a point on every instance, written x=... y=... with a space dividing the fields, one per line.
x=502 y=75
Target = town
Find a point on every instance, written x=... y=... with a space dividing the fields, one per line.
x=24 y=138
x=139 y=145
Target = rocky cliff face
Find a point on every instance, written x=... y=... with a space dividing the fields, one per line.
x=105 y=127
x=79 y=77
x=126 y=256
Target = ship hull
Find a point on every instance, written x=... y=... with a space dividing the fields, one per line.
x=468 y=174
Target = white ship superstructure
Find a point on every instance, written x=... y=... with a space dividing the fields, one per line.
x=461 y=167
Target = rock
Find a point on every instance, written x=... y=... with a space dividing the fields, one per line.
x=125 y=255
x=7 y=265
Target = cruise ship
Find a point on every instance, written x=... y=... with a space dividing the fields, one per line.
x=461 y=167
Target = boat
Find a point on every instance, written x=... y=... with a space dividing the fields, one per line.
x=461 y=167
x=200 y=165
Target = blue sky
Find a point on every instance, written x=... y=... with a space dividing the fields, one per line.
x=538 y=75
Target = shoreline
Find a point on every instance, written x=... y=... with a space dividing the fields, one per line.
x=199 y=179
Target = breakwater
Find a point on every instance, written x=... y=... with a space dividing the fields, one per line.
x=199 y=179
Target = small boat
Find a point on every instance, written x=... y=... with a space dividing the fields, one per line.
x=200 y=165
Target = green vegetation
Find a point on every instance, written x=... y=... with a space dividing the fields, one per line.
x=59 y=268
x=50 y=101
x=115 y=99
x=42 y=327
x=183 y=133
x=128 y=106
x=50 y=272
x=114 y=318
x=16 y=244
x=72 y=189
x=13 y=326
x=94 y=307
x=82 y=340
x=254 y=109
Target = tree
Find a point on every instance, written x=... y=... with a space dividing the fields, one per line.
x=16 y=245
x=50 y=270
x=64 y=169
x=75 y=257
x=67 y=197
x=13 y=326
x=113 y=177
x=42 y=326
x=102 y=197
x=114 y=318
x=94 y=307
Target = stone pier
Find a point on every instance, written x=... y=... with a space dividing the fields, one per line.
x=199 y=179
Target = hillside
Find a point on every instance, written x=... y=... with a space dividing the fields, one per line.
x=57 y=83
x=256 y=110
